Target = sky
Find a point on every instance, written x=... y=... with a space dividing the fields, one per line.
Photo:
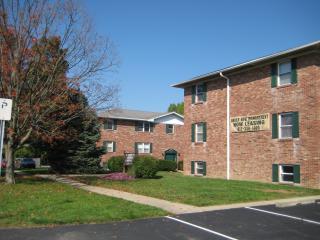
x=163 y=42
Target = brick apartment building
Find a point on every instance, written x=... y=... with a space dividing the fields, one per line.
x=259 y=120
x=139 y=132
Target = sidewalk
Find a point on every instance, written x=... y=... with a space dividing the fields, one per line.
x=176 y=208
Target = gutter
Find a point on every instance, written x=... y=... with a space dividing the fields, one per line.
x=228 y=123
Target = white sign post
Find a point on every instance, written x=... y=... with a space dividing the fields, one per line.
x=5 y=115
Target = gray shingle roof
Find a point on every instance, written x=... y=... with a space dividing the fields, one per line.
x=130 y=114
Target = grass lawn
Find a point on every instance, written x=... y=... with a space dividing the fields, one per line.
x=34 y=201
x=202 y=191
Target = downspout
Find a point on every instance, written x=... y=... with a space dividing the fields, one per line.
x=228 y=124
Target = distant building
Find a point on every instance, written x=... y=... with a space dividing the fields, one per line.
x=259 y=120
x=143 y=133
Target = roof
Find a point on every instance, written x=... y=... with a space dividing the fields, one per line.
x=268 y=58
x=134 y=114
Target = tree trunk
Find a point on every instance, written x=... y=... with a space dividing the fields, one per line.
x=10 y=163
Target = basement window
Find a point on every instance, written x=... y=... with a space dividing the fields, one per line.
x=199 y=168
x=286 y=173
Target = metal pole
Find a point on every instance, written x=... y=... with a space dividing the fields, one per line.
x=2 y=123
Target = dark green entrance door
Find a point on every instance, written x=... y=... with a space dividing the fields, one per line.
x=170 y=154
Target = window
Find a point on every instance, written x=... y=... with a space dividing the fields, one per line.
x=144 y=147
x=286 y=173
x=199 y=132
x=169 y=128
x=284 y=73
x=199 y=168
x=109 y=124
x=200 y=93
x=285 y=125
x=109 y=146
x=143 y=126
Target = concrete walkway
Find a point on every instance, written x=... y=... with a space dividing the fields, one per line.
x=171 y=207
x=177 y=208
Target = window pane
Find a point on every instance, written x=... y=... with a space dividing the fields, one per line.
x=287 y=178
x=200 y=171
x=147 y=148
x=285 y=79
x=199 y=137
x=199 y=167
x=284 y=68
x=286 y=132
x=140 y=147
x=199 y=88
x=140 y=126
x=109 y=146
x=287 y=169
x=110 y=124
x=147 y=127
x=169 y=128
x=199 y=128
x=200 y=94
x=286 y=119
x=200 y=97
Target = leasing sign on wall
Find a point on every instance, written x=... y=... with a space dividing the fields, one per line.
x=250 y=123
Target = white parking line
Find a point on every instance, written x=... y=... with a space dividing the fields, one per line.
x=202 y=228
x=284 y=215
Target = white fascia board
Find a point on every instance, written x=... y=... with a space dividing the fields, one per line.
x=170 y=113
x=133 y=119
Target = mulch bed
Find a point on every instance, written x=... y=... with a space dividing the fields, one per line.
x=119 y=176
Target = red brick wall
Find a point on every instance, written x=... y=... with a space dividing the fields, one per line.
x=253 y=153
x=125 y=137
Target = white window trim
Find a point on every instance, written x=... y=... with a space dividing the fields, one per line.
x=196 y=132
x=112 y=146
x=197 y=100
x=281 y=173
x=196 y=168
x=112 y=129
x=280 y=125
x=143 y=126
x=278 y=73
x=143 y=147
x=173 y=129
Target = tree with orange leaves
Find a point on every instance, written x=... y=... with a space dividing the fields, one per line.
x=48 y=53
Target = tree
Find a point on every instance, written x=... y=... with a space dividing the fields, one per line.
x=78 y=153
x=48 y=52
x=178 y=108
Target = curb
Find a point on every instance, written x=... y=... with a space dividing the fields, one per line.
x=279 y=203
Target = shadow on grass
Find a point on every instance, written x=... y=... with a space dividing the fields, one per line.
x=27 y=179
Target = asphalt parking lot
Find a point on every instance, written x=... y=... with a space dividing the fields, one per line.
x=264 y=222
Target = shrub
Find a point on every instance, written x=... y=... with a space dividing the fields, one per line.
x=145 y=167
x=180 y=165
x=115 y=164
x=167 y=165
